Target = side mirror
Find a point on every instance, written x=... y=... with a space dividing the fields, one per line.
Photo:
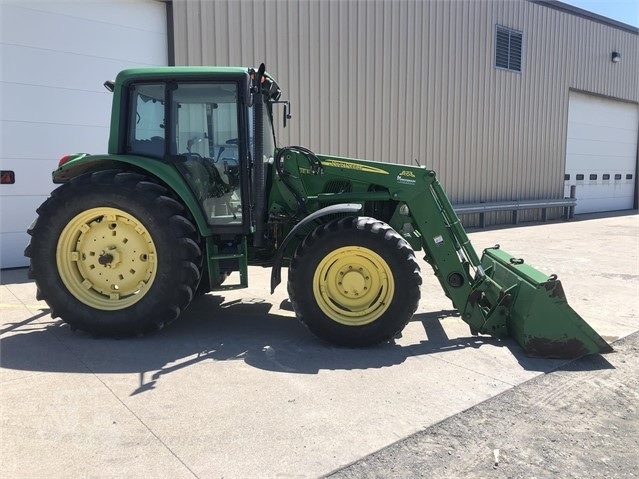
x=287 y=110
x=287 y=114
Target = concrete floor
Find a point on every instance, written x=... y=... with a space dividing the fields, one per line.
x=237 y=388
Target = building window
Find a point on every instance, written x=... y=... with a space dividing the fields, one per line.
x=508 y=48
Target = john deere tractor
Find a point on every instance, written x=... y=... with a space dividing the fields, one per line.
x=194 y=188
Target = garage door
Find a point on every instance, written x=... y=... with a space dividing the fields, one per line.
x=601 y=153
x=55 y=56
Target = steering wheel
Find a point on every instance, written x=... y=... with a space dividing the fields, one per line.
x=233 y=141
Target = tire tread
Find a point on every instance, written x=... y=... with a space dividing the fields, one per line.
x=167 y=210
x=350 y=336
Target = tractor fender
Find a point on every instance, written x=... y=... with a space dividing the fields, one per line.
x=163 y=171
x=276 y=276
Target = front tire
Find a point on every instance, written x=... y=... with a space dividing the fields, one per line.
x=113 y=254
x=354 y=282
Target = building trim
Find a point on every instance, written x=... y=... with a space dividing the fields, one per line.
x=170 y=34
x=579 y=12
x=601 y=95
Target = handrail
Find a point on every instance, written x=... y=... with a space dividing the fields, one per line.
x=513 y=205
x=568 y=204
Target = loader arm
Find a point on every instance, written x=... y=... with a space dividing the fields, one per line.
x=481 y=302
x=499 y=294
x=445 y=243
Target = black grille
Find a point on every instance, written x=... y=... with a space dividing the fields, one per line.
x=508 y=49
x=338 y=186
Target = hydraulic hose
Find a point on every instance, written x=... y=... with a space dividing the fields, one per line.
x=316 y=167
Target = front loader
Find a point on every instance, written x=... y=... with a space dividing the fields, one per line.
x=193 y=189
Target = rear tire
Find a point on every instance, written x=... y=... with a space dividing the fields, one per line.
x=113 y=254
x=354 y=282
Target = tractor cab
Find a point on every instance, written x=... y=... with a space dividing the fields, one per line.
x=205 y=124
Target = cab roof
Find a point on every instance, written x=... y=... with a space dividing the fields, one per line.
x=148 y=73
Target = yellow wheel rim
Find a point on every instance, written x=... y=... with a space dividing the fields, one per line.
x=353 y=285
x=106 y=258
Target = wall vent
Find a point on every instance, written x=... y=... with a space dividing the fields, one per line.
x=508 y=49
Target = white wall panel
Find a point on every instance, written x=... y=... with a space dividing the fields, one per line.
x=13 y=213
x=17 y=212
x=36 y=66
x=55 y=56
x=144 y=15
x=54 y=105
x=12 y=248
x=32 y=178
x=29 y=24
x=40 y=141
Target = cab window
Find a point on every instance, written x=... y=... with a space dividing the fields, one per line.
x=147 y=129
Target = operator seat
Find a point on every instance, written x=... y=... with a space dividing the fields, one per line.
x=154 y=146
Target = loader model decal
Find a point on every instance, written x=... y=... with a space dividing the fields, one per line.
x=406 y=177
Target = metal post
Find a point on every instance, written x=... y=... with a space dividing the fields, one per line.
x=573 y=195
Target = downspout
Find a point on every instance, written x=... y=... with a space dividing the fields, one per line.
x=170 y=34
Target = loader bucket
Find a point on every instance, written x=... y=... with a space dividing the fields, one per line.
x=538 y=315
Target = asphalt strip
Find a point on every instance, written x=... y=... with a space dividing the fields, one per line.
x=579 y=421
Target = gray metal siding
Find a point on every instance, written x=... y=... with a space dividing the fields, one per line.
x=405 y=80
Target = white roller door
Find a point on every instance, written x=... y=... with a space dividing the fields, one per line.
x=601 y=153
x=55 y=58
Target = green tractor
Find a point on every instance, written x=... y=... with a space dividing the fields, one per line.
x=194 y=188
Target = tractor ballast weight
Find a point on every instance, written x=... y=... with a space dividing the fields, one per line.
x=193 y=189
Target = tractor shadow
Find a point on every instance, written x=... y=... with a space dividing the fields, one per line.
x=212 y=330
